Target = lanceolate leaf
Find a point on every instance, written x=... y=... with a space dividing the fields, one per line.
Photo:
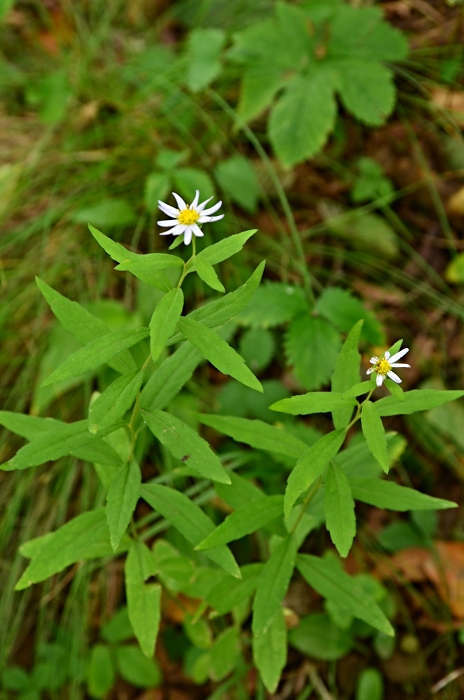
x=330 y=581
x=273 y=584
x=218 y=352
x=314 y=402
x=164 y=321
x=185 y=444
x=374 y=433
x=270 y=652
x=121 y=500
x=28 y=427
x=224 y=249
x=149 y=269
x=346 y=373
x=387 y=494
x=190 y=520
x=207 y=273
x=257 y=434
x=229 y=592
x=245 y=521
x=339 y=509
x=169 y=378
x=115 y=401
x=359 y=389
x=416 y=400
x=143 y=600
x=96 y=353
x=310 y=466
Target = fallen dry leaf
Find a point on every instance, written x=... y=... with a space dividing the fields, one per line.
x=451 y=100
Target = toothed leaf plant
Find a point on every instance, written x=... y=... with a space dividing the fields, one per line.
x=160 y=472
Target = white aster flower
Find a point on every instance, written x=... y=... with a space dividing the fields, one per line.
x=383 y=366
x=186 y=218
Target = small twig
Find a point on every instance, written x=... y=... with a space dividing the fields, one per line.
x=318 y=683
x=446 y=680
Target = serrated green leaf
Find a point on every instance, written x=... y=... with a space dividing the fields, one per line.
x=121 y=500
x=366 y=90
x=207 y=273
x=273 y=304
x=270 y=652
x=204 y=47
x=224 y=249
x=259 y=85
x=143 y=601
x=330 y=581
x=164 y=320
x=362 y=33
x=185 y=444
x=273 y=584
x=303 y=117
x=64 y=439
x=113 y=403
x=190 y=520
x=96 y=353
x=83 y=325
x=230 y=592
x=218 y=352
x=238 y=179
x=100 y=674
x=416 y=400
x=339 y=509
x=136 y=668
x=244 y=521
x=256 y=433
x=374 y=433
x=387 y=494
x=312 y=346
x=344 y=311
x=313 y=402
x=169 y=378
x=257 y=347
x=310 y=466
x=346 y=373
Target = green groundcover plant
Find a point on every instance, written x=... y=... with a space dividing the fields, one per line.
x=119 y=436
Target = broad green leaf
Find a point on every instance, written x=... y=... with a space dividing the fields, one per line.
x=257 y=347
x=121 y=500
x=204 y=47
x=273 y=304
x=319 y=638
x=84 y=537
x=96 y=353
x=218 y=352
x=113 y=212
x=346 y=373
x=270 y=652
x=185 y=444
x=416 y=400
x=83 y=325
x=143 y=600
x=394 y=389
x=238 y=179
x=257 y=434
x=218 y=312
x=207 y=273
x=339 y=509
x=224 y=653
x=330 y=581
x=136 y=668
x=310 y=466
x=169 y=378
x=198 y=631
x=65 y=439
x=273 y=584
x=369 y=685
x=100 y=673
x=156 y=188
x=110 y=406
x=314 y=402
x=344 y=311
x=224 y=249
x=359 y=389
x=230 y=592
x=259 y=85
x=366 y=90
x=164 y=320
x=245 y=521
x=118 y=628
x=188 y=180
x=29 y=427
x=312 y=345
x=303 y=117
x=374 y=433
x=190 y=520
x=148 y=268
x=239 y=492
x=363 y=33
x=387 y=494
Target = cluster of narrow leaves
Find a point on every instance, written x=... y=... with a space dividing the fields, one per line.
x=323 y=484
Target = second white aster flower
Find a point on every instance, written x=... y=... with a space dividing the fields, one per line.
x=186 y=218
x=383 y=366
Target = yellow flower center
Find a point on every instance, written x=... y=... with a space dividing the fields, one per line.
x=188 y=217
x=382 y=367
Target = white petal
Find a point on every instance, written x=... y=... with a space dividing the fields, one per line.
x=195 y=201
x=171 y=222
x=180 y=202
x=197 y=231
x=399 y=354
x=176 y=231
x=379 y=380
x=370 y=370
x=188 y=235
x=211 y=210
x=374 y=360
x=201 y=206
x=208 y=219
x=394 y=376
x=398 y=364
x=167 y=209
x=386 y=355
